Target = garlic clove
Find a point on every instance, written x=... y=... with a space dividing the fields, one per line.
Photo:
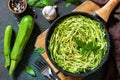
x=49 y=12
x=52 y=12
x=47 y=9
x=50 y=18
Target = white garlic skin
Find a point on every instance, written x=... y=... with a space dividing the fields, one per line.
x=49 y=12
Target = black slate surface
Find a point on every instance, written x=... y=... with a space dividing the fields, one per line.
x=41 y=24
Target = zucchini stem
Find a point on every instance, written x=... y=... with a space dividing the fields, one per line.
x=7 y=63
x=12 y=67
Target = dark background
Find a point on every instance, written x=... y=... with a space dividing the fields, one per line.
x=41 y=24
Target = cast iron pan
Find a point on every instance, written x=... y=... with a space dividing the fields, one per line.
x=101 y=16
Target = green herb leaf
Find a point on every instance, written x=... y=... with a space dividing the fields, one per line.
x=86 y=47
x=79 y=43
x=84 y=51
x=31 y=2
x=68 y=4
x=94 y=48
x=40 y=50
x=30 y=71
x=40 y=3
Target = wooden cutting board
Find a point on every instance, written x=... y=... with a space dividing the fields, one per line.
x=87 y=6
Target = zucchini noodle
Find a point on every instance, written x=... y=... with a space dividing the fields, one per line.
x=64 y=50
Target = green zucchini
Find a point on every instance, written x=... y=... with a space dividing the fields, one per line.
x=7 y=44
x=24 y=32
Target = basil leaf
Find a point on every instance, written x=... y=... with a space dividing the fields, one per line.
x=86 y=47
x=31 y=2
x=47 y=2
x=30 y=71
x=40 y=50
x=94 y=48
x=84 y=51
x=43 y=3
x=79 y=43
x=68 y=4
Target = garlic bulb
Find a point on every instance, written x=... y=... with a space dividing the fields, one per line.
x=49 y=12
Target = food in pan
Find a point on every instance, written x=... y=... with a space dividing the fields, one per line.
x=78 y=44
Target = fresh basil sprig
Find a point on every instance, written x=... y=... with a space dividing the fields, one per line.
x=86 y=47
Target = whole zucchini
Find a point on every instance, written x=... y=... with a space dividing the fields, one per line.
x=24 y=32
x=7 y=44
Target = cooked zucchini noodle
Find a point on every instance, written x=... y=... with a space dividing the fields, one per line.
x=64 y=51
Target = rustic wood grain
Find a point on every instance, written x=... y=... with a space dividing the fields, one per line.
x=89 y=7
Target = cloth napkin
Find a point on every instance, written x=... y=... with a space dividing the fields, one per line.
x=113 y=26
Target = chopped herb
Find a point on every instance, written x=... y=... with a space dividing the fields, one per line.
x=30 y=71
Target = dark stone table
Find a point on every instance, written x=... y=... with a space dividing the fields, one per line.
x=41 y=24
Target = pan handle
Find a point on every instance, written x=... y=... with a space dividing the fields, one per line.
x=106 y=10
